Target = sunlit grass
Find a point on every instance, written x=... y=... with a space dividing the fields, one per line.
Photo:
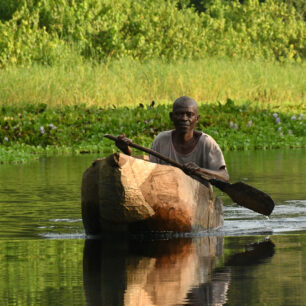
x=128 y=83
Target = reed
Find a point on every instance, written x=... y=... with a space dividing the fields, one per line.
x=128 y=82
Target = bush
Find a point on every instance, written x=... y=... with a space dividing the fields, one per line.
x=269 y=30
x=49 y=31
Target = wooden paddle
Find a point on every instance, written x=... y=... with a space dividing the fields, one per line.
x=241 y=193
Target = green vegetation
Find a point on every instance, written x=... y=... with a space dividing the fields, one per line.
x=73 y=70
x=128 y=82
x=80 y=129
x=52 y=32
x=203 y=5
x=32 y=272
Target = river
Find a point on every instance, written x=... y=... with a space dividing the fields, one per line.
x=253 y=260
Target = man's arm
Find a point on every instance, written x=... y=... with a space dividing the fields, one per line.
x=220 y=174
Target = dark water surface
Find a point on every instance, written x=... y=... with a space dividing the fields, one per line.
x=253 y=260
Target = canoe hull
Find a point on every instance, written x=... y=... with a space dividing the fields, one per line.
x=125 y=194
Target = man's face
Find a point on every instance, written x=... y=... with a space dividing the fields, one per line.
x=184 y=117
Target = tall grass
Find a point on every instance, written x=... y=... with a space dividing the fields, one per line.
x=129 y=82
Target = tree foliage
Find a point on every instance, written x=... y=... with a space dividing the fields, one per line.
x=52 y=31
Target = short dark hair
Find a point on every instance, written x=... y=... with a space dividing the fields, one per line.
x=184 y=100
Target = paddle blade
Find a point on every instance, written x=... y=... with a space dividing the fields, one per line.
x=250 y=197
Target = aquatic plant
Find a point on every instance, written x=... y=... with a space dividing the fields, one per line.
x=80 y=129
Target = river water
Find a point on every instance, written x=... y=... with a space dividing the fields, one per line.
x=45 y=258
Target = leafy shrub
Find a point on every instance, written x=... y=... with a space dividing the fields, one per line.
x=49 y=31
x=23 y=41
x=255 y=30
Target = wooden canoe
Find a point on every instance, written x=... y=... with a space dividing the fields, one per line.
x=121 y=193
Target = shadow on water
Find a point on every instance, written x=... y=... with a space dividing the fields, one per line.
x=163 y=272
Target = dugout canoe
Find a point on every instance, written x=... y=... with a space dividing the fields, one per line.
x=121 y=193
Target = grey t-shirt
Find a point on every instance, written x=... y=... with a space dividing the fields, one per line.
x=206 y=154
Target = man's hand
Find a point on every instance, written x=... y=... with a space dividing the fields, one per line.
x=190 y=168
x=122 y=143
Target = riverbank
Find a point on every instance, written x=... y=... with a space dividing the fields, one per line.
x=32 y=130
x=128 y=82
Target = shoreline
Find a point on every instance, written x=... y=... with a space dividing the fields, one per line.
x=35 y=130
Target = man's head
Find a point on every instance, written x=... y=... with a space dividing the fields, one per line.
x=184 y=114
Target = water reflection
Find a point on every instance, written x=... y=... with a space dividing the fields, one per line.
x=163 y=272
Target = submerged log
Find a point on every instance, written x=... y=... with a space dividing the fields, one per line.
x=121 y=193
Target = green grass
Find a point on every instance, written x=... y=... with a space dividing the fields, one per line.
x=128 y=83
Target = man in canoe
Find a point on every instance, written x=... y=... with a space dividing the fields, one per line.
x=196 y=150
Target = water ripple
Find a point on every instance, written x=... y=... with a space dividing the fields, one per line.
x=287 y=217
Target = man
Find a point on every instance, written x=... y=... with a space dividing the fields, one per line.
x=194 y=149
